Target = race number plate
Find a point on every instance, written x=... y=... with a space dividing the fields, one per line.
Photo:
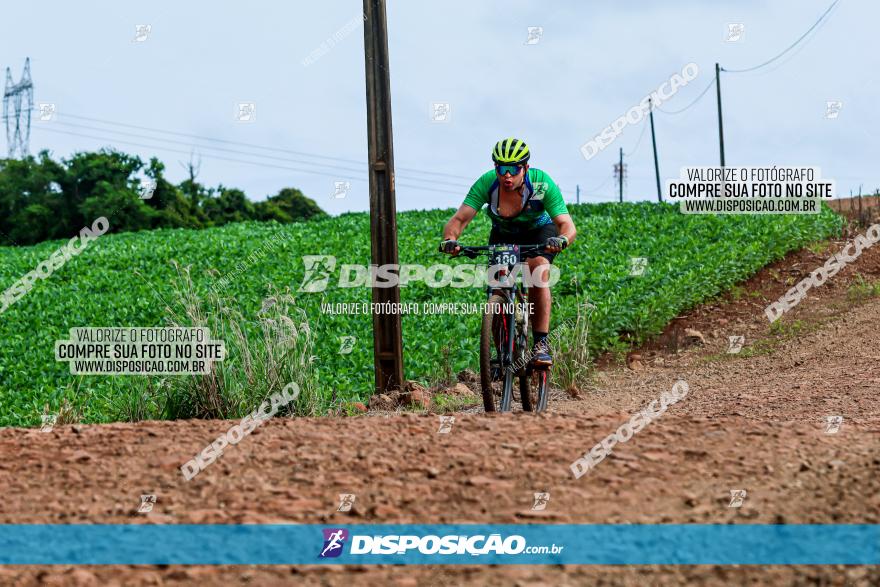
x=506 y=256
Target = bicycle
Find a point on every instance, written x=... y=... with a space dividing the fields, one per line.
x=504 y=351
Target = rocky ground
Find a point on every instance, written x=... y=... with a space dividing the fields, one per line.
x=754 y=420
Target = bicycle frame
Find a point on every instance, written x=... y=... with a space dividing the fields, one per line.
x=504 y=260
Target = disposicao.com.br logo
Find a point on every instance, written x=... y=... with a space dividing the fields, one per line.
x=334 y=540
x=451 y=544
x=319 y=269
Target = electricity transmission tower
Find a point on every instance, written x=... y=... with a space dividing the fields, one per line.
x=18 y=102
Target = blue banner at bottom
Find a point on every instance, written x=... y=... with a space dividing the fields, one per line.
x=422 y=544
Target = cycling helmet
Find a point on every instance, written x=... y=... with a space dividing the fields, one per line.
x=510 y=152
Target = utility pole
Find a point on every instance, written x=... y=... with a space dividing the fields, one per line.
x=861 y=219
x=619 y=173
x=720 y=126
x=654 y=142
x=578 y=193
x=387 y=339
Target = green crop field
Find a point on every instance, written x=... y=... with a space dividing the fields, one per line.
x=127 y=280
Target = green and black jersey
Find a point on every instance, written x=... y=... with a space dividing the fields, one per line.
x=541 y=198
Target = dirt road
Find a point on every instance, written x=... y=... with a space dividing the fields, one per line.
x=754 y=421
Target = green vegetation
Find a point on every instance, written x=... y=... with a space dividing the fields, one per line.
x=128 y=279
x=862 y=289
x=43 y=199
x=780 y=331
x=737 y=291
x=571 y=345
x=443 y=403
x=818 y=247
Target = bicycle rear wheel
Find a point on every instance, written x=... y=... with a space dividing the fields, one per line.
x=525 y=393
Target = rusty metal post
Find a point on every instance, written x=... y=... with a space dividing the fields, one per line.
x=387 y=335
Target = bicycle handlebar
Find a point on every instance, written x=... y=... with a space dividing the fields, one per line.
x=473 y=252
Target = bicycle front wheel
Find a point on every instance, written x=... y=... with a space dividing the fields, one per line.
x=496 y=376
x=542 y=383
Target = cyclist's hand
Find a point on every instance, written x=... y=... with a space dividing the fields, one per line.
x=450 y=247
x=556 y=243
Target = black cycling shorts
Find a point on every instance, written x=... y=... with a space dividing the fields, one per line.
x=536 y=236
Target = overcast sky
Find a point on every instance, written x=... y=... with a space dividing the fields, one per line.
x=593 y=62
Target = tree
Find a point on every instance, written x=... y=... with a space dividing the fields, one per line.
x=43 y=199
x=30 y=199
x=105 y=174
x=288 y=205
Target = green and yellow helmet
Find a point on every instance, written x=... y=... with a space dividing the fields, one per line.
x=510 y=152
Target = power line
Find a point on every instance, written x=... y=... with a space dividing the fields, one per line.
x=601 y=185
x=703 y=93
x=164 y=140
x=250 y=145
x=233 y=151
x=639 y=141
x=790 y=47
x=268 y=165
x=792 y=54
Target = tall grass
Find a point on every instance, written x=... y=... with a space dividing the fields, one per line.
x=263 y=354
x=571 y=361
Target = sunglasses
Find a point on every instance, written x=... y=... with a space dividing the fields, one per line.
x=511 y=169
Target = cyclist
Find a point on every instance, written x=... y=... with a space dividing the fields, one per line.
x=526 y=207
